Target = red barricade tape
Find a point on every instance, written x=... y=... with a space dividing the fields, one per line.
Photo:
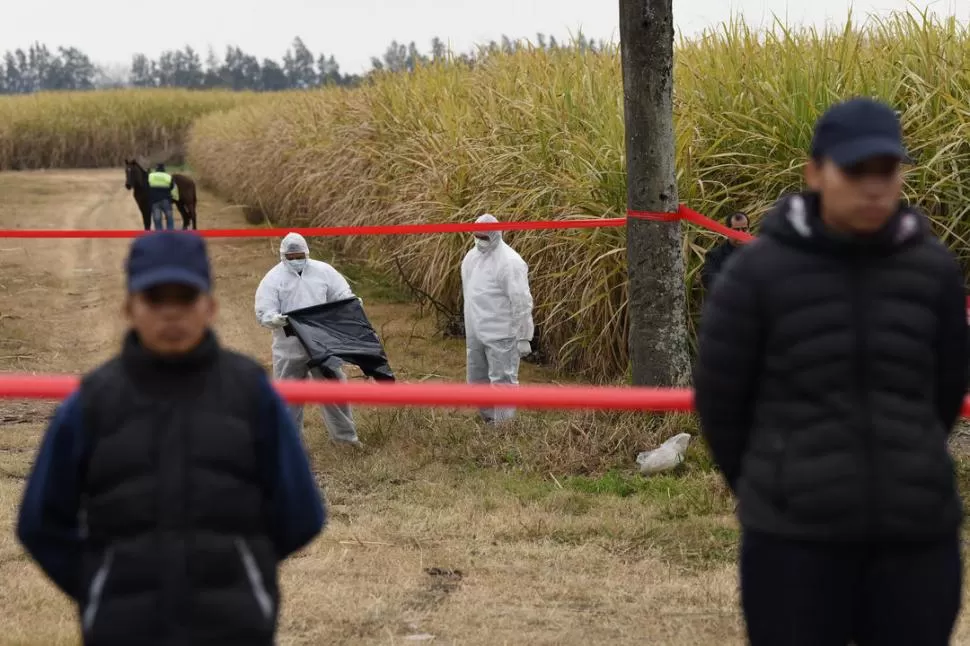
x=683 y=213
x=448 y=395
x=14 y=386
x=395 y=229
x=689 y=215
x=425 y=394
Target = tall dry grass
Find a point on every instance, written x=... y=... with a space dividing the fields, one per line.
x=95 y=129
x=539 y=135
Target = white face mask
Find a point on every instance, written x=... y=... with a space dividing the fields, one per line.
x=297 y=264
x=483 y=245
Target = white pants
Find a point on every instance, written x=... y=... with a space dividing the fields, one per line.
x=496 y=363
x=338 y=418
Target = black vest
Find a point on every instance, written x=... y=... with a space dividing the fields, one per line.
x=177 y=549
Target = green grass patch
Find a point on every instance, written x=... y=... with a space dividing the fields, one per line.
x=613 y=482
x=675 y=496
x=527 y=489
x=694 y=544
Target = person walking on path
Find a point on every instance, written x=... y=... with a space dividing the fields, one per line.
x=832 y=368
x=170 y=486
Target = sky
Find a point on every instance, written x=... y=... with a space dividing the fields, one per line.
x=110 y=31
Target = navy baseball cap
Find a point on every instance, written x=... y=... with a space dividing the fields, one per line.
x=168 y=258
x=856 y=130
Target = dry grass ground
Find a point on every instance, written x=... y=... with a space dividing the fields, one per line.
x=536 y=534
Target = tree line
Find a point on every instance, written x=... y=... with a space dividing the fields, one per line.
x=39 y=68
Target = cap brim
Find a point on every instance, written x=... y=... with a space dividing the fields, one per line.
x=167 y=276
x=855 y=152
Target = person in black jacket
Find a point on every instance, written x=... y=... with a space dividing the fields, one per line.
x=832 y=368
x=715 y=258
x=171 y=484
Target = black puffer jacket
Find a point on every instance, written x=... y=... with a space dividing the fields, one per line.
x=831 y=372
x=714 y=262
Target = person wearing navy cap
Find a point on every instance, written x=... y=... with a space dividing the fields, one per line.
x=172 y=483
x=831 y=371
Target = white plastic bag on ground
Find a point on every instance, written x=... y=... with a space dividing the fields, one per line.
x=666 y=456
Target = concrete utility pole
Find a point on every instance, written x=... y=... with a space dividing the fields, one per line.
x=655 y=260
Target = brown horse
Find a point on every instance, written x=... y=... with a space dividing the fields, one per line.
x=136 y=180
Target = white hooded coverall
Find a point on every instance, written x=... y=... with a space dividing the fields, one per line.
x=286 y=288
x=498 y=314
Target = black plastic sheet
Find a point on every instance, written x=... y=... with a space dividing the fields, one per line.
x=339 y=332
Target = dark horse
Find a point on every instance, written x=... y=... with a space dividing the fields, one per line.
x=136 y=180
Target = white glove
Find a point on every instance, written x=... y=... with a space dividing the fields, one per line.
x=278 y=320
x=525 y=348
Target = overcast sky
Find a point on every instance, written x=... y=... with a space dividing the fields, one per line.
x=110 y=31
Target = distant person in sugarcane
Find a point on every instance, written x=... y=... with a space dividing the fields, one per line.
x=162 y=191
x=171 y=485
x=498 y=313
x=715 y=258
x=832 y=369
x=298 y=281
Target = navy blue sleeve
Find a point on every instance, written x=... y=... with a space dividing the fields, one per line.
x=296 y=505
x=47 y=525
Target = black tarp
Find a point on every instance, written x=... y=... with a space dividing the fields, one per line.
x=339 y=332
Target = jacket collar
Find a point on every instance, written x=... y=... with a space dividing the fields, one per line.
x=796 y=220
x=144 y=364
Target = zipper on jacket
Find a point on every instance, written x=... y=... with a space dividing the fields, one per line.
x=184 y=536
x=863 y=418
x=172 y=470
x=263 y=600
x=95 y=590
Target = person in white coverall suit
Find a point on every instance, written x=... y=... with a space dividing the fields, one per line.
x=298 y=282
x=498 y=314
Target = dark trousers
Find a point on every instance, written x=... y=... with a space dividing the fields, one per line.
x=798 y=593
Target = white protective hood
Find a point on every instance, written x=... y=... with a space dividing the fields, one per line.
x=495 y=287
x=283 y=290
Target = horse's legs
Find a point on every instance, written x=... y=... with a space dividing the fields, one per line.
x=146 y=213
x=186 y=213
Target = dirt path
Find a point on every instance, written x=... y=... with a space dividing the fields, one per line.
x=62 y=298
x=55 y=290
x=61 y=312
x=416 y=545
